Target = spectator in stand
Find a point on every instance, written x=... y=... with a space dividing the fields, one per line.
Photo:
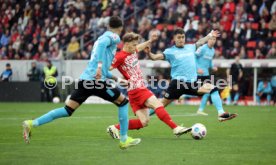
x=259 y=54
x=5 y=39
x=52 y=30
x=37 y=22
x=263 y=48
x=229 y=6
x=190 y=34
x=271 y=53
x=235 y=51
x=73 y=48
x=272 y=23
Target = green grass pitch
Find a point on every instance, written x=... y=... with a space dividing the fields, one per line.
x=82 y=139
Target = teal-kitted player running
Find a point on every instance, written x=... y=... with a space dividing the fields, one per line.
x=93 y=82
x=204 y=61
x=182 y=59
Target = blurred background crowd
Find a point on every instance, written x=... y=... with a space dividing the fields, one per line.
x=54 y=30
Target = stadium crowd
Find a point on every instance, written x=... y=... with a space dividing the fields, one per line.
x=49 y=29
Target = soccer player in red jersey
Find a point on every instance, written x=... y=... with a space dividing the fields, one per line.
x=140 y=98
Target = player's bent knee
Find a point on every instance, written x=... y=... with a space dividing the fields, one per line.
x=124 y=102
x=208 y=86
x=69 y=110
x=214 y=90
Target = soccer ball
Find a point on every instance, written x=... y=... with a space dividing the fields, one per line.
x=56 y=100
x=199 y=131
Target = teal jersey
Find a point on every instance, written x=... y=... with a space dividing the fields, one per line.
x=204 y=59
x=183 y=62
x=273 y=81
x=103 y=50
x=264 y=89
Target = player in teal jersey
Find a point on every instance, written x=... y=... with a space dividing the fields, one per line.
x=204 y=61
x=93 y=82
x=182 y=59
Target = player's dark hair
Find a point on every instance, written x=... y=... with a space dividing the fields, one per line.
x=115 y=22
x=129 y=37
x=178 y=31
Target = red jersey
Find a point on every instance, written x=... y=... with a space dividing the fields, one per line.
x=128 y=64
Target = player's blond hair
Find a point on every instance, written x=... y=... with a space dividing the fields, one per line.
x=129 y=37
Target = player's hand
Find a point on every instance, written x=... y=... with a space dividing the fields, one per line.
x=99 y=72
x=200 y=71
x=214 y=33
x=215 y=69
x=147 y=50
x=153 y=36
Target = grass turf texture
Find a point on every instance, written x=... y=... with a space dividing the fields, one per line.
x=82 y=139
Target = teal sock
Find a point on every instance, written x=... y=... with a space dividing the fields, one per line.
x=236 y=98
x=217 y=102
x=228 y=100
x=123 y=119
x=203 y=102
x=50 y=116
x=151 y=112
x=268 y=98
x=258 y=99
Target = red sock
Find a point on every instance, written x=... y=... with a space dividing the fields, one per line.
x=165 y=117
x=132 y=124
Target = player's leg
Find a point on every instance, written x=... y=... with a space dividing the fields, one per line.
x=205 y=97
x=136 y=98
x=125 y=141
x=78 y=96
x=258 y=98
x=163 y=115
x=237 y=94
x=268 y=98
x=229 y=99
x=213 y=90
x=203 y=103
x=172 y=93
x=112 y=94
x=65 y=111
x=135 y=124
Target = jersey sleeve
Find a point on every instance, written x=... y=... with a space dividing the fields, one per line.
x=118 y=60
x=100 y=47
x=167 y=55
x=260 y=87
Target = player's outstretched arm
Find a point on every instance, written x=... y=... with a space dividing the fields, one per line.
x=155 y=57
x=142 y=46
x=202 y=41
x=119 y=80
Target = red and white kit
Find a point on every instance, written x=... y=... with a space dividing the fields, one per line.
x=128 y=64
